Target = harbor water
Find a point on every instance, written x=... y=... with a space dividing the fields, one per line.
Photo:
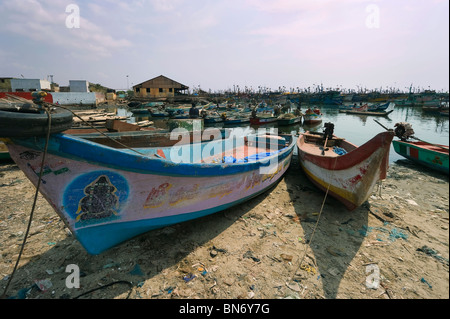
x=356 y=128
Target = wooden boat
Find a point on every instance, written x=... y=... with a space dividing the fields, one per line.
x=107 y=195
x=213 y=119
x=262 y=120
x=349 y=177
x=284 y=121
x=236 y=120
x=373 y=113
x=434 y=156
x=381 y=107
x=312 y=116
x=158 y=113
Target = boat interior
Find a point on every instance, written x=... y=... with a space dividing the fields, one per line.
x=188 y=148
x=314 y=143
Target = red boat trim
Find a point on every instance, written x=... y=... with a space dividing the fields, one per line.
x=382 y=140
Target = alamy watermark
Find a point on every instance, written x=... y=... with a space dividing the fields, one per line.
x=73 y=280
x=73 y=19
x=231 y=148
x=373 y=17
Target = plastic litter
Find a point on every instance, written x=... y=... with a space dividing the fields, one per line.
x=189 y=277
x=396 y=233
x=426 y=282
x=433 y=253
x=249 y=254
x=43 y=284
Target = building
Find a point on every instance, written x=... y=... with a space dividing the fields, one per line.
x=160 y=86
x=29 y=85
x=79 y=86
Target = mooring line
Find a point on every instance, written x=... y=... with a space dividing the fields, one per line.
x=315 y=226
x=34 y=203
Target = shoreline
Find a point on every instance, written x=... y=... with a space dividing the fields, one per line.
x=251 y=251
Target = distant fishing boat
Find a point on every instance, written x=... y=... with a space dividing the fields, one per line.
x=262 y=120
x=158 y=113
x=236 y=120
x=383 y=110
x=288 y=119
x=381 y=107
x=108 y=195
x=347 y=171
x=312 y=116
x=213 y=119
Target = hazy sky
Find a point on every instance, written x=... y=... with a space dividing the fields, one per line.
x=220 y=43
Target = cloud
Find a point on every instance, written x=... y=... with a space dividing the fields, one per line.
x=45 y=22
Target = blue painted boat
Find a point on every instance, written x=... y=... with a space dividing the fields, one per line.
x=381 y=107
x=107 y=195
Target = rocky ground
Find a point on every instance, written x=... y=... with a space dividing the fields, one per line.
x=394 y=246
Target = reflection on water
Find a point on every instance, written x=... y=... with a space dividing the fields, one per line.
x=357 y=129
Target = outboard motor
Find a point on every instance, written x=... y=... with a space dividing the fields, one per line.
x=328 y=131
x=403 y=130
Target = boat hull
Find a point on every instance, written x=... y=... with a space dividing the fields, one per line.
x=262 y=120
x=288 y=121
x=425 y=154
x=107 y=196
x=350 y=178
x=312 y=118
x=373 y=113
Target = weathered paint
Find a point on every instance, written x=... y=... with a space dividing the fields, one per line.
x=432 y=156
x=312 y=118
x=113 y=196
x=350 y=177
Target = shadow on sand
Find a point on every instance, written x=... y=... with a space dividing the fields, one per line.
x=339 y=233
x=128 y=264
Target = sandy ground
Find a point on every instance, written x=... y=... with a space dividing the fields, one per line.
x=394 y=246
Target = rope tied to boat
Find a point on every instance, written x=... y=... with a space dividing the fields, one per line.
x=47 y=110
x=49 y=117
x=300 y=265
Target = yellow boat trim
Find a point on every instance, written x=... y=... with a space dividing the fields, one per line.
x=338 y=191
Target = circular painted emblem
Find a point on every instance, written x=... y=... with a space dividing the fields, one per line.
x=96 y=197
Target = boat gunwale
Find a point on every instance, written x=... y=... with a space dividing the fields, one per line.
x=351 y=158
x=69 y=146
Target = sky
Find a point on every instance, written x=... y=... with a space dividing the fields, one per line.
x=222 y=44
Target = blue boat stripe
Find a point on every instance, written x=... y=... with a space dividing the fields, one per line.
x=68 y=146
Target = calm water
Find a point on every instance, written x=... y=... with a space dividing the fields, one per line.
x=358 y=129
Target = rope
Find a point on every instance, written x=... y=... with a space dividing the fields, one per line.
x=34 y=203
x=315 y=226
x=3 y=296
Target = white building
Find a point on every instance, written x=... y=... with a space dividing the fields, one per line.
x=79 y=86
x=29 y=85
